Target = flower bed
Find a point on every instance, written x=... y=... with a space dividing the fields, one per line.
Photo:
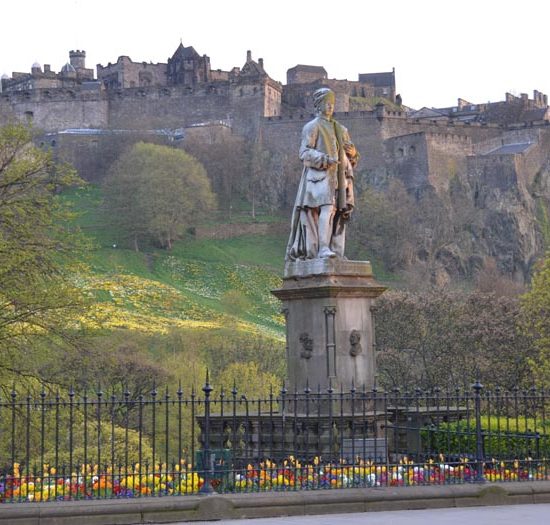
x=90 y=482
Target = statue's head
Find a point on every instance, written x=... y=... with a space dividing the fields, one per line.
x=323 y=101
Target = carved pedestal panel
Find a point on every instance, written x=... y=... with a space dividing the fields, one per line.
x=329 y=326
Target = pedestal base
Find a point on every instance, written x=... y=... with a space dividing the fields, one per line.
x=329 y=327
x=333 y=438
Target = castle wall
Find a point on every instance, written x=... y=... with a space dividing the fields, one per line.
x=300 y=95
x=407 y=157
x=272 y=100
x=532 y=161
x=126 y=74
x=140 y=108
x=7 y=111
x=57 y=109
x=246 y=106
x=305 y=75
x=446 y=156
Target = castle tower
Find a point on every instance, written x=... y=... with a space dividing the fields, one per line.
x=68 y=71
x=77 y=59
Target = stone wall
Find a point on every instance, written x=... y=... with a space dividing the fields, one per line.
x=407 y=159
x=126 y=74
x=228 y=231
x=141 y=108
x=144 y=107
x=58 y=109
x=272 y=99
x=446 y=159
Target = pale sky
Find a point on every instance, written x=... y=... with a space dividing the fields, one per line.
x=441 y=49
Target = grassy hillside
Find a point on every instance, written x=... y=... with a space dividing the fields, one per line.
x=200 y=283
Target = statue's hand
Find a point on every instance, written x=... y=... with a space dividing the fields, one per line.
x=346 y=215
x=350 y=150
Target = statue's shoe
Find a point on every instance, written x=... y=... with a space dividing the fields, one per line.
x=325 y=253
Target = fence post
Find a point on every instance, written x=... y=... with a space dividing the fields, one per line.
x=207 y=461
x=480 y=478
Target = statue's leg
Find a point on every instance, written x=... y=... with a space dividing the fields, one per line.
x=326 y=216
x=338 y=241
x=309 y=220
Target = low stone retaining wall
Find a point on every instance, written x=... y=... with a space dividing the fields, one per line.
x=194 y=508
x=231 y=230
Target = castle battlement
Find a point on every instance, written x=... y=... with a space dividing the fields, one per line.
x=340 y=115
x=442 y=137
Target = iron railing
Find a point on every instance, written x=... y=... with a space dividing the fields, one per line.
x=64 y=446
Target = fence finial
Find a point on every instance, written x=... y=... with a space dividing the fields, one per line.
x=207 y=388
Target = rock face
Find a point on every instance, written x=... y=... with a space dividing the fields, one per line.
x=497 y=198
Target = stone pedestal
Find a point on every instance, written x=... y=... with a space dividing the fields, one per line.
x=329 y=327
x=277 y=436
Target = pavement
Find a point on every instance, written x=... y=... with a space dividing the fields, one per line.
x=502 y=515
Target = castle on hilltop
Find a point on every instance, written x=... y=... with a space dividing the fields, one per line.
x=186 y=73
x=498 y=153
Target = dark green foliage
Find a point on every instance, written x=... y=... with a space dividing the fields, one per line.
x=503 y=438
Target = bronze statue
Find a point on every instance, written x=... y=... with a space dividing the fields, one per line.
x=325 y=195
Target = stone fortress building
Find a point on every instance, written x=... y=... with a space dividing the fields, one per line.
x=500 y=151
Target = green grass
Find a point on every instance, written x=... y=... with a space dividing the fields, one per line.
x=263 y=250
x=192 y=278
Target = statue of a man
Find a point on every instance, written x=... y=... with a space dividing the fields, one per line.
x=325 y=195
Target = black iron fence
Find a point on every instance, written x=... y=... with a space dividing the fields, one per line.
x=60 y=446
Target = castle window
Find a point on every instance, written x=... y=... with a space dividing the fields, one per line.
x=29 y=114
x=412 y=150
x=401 y=152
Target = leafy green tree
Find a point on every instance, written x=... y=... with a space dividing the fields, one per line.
x=156 y=192
x=37 y=295
x=535 y=306
x=249 y=380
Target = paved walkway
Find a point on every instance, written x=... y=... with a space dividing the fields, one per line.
x=502 y=515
